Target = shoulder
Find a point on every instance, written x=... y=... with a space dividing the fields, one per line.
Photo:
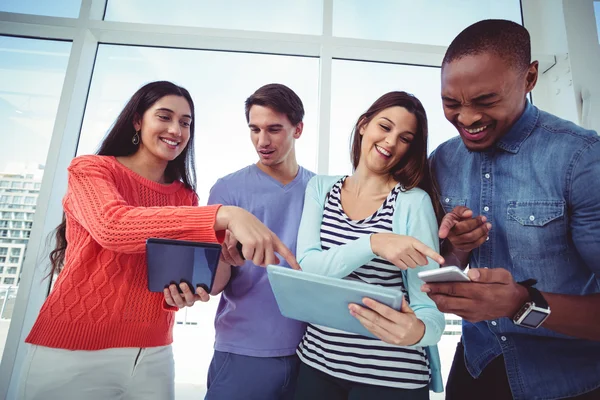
x=565 y=132
x=240 y=175
x=450 y=146
x=90 y=164
x=414 y=197
x=447 y=152
x=91 y=161
x=413 y=210
x=323 y=183
x=233 y=179
x=306 y=174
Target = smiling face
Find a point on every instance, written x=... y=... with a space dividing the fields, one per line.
x=386 y=139
x=165 y=128
x=272 y=134
x=483 y=96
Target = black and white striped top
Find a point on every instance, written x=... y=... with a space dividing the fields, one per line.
x=355 y=357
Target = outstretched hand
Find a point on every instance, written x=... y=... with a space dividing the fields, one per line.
x=403 y=251
x=259 y=243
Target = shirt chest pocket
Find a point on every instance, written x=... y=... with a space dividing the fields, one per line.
x=536 y=229
x=449 y=202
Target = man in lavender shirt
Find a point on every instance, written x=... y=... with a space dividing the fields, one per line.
x=255 y=345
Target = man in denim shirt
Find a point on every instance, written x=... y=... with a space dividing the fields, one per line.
x=520 y=189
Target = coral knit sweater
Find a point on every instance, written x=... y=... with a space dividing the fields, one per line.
x=101 y=298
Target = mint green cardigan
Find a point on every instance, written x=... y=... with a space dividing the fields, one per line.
x=413 y=216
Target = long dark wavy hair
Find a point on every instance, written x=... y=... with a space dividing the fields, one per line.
x=118 y=143
x=413 y=169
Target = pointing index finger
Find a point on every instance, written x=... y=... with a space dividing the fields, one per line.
x=426 y=251
x=286 y=254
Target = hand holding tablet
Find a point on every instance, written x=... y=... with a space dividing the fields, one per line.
x=175 y=261
x=324 y=300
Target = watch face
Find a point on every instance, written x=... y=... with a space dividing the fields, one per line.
x=534 y=319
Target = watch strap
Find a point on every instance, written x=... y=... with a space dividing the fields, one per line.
x=534 y=294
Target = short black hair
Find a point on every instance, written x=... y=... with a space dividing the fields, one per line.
x=278 y=97
x=504 y=38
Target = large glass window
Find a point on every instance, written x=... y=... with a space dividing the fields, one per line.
x=369 y=82
x=434 y=22
x=62 y=8
x=259 y=15
x=219 y=82
x=31 y=78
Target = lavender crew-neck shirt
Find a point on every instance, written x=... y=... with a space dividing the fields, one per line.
x=248 y=320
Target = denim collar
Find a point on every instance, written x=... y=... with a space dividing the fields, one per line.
x=514 y=138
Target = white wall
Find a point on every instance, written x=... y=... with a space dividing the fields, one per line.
x=584 y=52
x=567 y=29
x=545 y=21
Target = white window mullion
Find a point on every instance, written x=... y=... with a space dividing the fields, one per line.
x=33 y=288
x=326 y=61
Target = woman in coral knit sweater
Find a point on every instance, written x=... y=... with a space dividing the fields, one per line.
x=101 y=334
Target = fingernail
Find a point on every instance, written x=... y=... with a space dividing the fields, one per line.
x=488 y=226
x=474 y=275
x=351 y=307
x=166 y=286
x=425 y=289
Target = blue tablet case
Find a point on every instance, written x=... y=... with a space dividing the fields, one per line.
x=177 y=260
x=324 y=300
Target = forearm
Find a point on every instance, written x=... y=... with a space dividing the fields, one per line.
x=222 y=278
x=223 y=217
x=338 y=261
x=577 y=316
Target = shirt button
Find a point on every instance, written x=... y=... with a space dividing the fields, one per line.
x=532 y=217
x=487 y=238
x=447 y=200
x=487 y=176
x=503 y=338
x=494 y=323
x=486 y=208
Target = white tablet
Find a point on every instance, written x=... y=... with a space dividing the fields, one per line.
x=323 y=300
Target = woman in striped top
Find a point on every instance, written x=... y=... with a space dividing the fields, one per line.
x=376 y=226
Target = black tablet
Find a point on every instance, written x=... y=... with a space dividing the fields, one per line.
x=176 y=261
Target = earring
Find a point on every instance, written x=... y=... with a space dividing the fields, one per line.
x=136 y=138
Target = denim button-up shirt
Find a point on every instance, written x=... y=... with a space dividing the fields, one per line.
x=539 y=186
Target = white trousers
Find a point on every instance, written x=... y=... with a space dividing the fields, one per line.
x=122 y=373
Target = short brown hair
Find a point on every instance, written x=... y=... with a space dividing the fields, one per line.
x=280 y=98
